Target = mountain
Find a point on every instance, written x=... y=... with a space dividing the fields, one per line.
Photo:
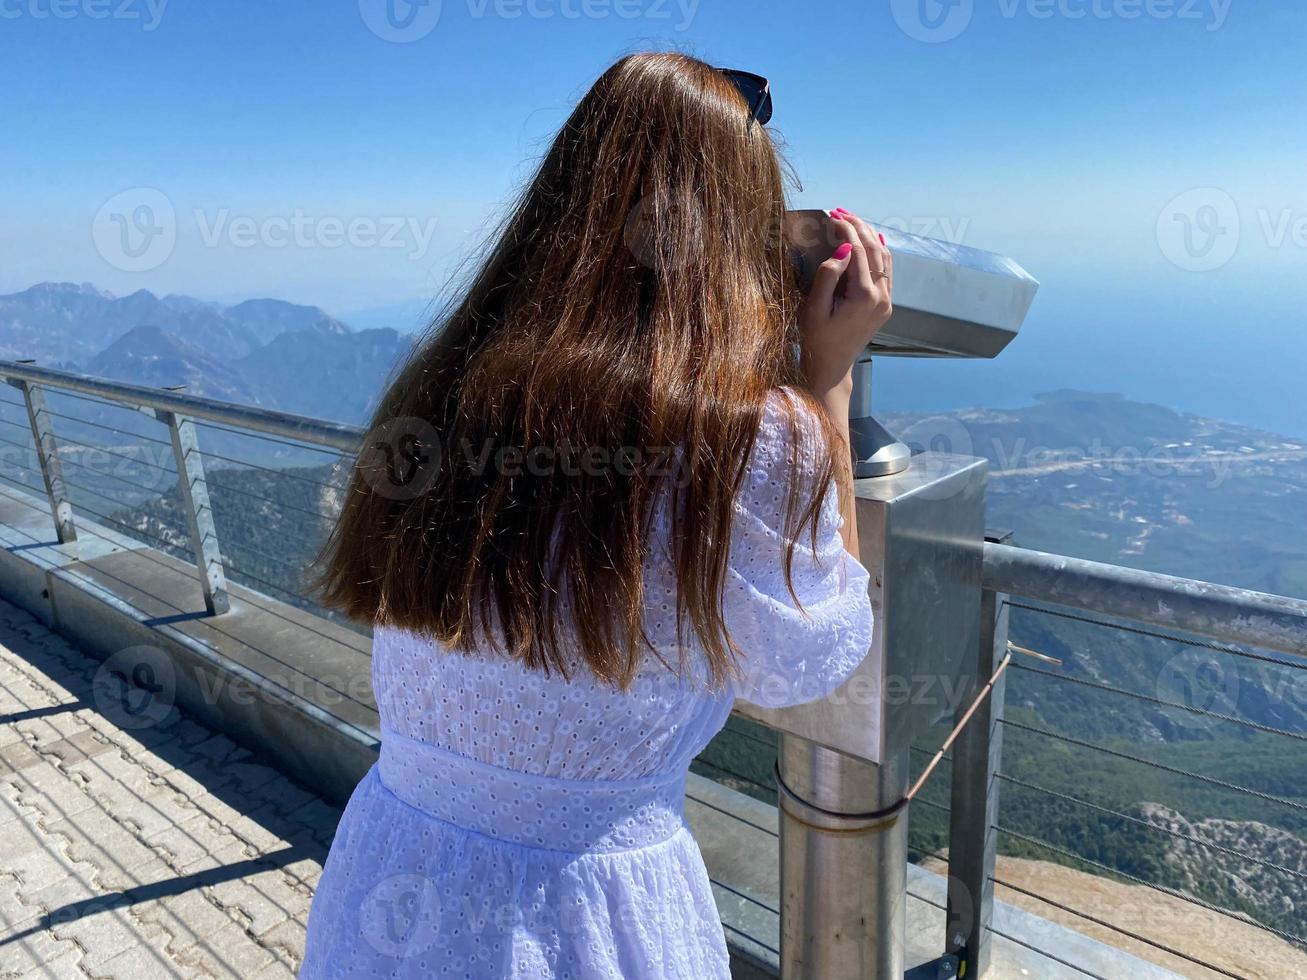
x=263 y=352
x=189 y=304
x=1199 y=857
x=64 y=323
x=268 y=319
x=151 y=356
x=337 y=375
x=67 y=323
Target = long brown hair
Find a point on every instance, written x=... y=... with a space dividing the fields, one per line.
x=640 y=299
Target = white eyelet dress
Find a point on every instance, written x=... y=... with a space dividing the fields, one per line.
x=522 y=826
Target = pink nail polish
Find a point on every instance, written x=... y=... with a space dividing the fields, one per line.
x=882 y=238
x=837 y=215
x=843 y=252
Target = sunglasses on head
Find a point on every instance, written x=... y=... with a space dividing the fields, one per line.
x=756 y=91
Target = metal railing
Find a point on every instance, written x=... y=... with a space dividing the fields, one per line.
x=1081 y=592
x=235 y=466
x=183 y=416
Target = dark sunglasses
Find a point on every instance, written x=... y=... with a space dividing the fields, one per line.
x=756 y=91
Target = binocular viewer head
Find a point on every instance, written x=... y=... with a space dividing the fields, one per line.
x=950 y=300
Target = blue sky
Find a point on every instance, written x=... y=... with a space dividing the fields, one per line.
x=1061 y=132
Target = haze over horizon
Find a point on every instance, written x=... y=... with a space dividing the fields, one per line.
x=948 y=385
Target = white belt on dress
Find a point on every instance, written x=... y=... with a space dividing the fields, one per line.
x=573 y=815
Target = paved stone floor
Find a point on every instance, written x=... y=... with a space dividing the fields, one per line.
x=135 y=843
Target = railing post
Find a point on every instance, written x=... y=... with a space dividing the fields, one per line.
x=47 y=452
x=973 y=819
x=843 y=874
x=199 y=513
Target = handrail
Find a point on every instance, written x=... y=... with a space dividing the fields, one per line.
x=1219 y=612
x=320 y=432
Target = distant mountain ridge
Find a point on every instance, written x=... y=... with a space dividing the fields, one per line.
x=152 y=356
x=264 y=352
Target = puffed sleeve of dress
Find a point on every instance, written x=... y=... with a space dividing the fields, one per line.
x=792 y=652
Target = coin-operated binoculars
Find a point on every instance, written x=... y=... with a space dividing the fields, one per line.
x=844 y=761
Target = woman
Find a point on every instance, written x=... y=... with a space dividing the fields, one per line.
x=604 y=500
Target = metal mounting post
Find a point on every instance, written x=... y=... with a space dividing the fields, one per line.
x=843 y=871
x=973 y=817
x=199 y=513
x=876 y=451
x=47 y=452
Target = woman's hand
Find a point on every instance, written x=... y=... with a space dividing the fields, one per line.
x=839 y=319
x=837 y=322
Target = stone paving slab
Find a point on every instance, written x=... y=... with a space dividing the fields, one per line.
x=139 y=850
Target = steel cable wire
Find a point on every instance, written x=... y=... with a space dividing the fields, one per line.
x=1163 y=889
x=1152 y=826
x=1140 y=631
x=1255 y=726
x=1175 y=770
